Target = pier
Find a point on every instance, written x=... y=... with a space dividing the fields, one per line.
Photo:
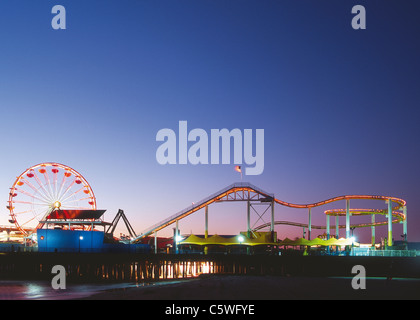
x=120 y=267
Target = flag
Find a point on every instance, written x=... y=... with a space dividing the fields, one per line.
x=238 y=168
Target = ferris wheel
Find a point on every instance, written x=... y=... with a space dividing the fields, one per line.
x=44 y=188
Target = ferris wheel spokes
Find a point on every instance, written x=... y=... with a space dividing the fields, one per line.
x=38 y=191
x=73 y=194
x=47 y=179
x=41 y=185
x=31 y=202
x=31 y=195
x=63 y=181
x=77 y=200
x=67 y=190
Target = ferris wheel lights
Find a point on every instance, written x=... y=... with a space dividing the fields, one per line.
x=52 y=190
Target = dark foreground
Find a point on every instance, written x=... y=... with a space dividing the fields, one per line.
x=120 y=267
x=231 y=277
x=228 y=287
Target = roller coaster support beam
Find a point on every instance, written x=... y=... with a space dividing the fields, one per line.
x=373 y=230
x=156 y=247
x=328 y=231
x=328 y=226
x=309 y=224
x=176 y=236
x=272 y=222
x=389 y=223
x=347 y=219
x=206 y=227
x=405 y=223
x=337 y=228
x=206 y=222
x=248 y=218
x=272 y=216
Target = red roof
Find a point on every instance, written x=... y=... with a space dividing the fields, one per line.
x=76 y=214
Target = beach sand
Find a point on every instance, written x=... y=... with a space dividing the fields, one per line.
x=229 y=287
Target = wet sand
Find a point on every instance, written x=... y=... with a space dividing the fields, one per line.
x=217 y=287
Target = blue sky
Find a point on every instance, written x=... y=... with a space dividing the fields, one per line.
x=339 y=107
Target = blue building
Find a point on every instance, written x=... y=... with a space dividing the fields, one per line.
x=74 y=231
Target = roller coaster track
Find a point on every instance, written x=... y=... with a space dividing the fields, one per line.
x=249 y=192
x=305 y=225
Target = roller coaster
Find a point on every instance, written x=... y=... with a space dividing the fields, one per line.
x=49 y=188
x=396 y=211
x=56 y=195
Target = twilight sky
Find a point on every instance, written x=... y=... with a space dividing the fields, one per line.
x=339 y=107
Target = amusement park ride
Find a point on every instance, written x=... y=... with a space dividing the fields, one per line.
x=43 y=189
x=52 y=196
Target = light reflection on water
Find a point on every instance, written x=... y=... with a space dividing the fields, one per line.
x=42 y=290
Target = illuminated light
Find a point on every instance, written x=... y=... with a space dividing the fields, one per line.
x=241 y=239
x=179 y=238
x=42 y=237
x=57 y=205
x=205 y=267
x=353 y=239
x=401 y=202
x=81 y=238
